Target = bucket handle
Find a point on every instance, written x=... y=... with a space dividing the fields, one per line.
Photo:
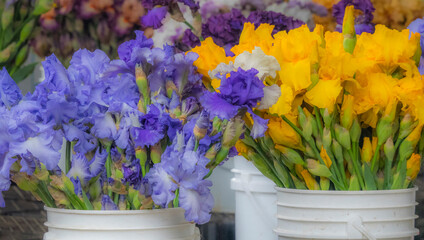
x=356 y=222
x=245 y=179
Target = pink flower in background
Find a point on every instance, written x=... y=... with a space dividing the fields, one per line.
x=65 y=6
x=86 y=9
x=48 y=20
x=133 y=10
x=101 y=4
x=122 y=25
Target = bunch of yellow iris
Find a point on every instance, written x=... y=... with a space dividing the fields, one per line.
x=350 y=112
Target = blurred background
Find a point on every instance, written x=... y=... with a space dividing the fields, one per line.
x=33 y=29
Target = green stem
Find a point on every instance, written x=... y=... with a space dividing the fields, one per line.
x=318 y=119
x=116 y=199
x=337 y=184
x=177 y=194
x=68 y=157
x=375 y=157
x=193 y=30
x=196 y=145
x=18 y=29
x=45 y=196
x=109 y=168
x=356 y=168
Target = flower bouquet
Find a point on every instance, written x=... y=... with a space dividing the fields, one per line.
x=133 y=133
x=322 y=110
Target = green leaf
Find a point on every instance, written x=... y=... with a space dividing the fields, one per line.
x=23 y=72
x=369 y=178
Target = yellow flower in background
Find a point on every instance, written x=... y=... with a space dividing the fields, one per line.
x=282 y=134
x=210 y=55
x=251 y=38
x=413 y=166
x=376 y=49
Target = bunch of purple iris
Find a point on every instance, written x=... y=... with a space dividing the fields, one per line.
x=132 y=131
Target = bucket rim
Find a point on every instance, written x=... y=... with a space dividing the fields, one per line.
x=286 y=205
x=52 y=226
x=335 y=192
x=285 y=233
x=111 y=212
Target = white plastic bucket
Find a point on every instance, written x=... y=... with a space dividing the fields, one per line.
x=306 y=214
x=255 y=209
x=166 y=224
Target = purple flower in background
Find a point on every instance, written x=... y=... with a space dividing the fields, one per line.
x=363 y=21
x=10 y=94
x=224 y=28
x=281 y=22
x=417 y=26
x=241 y=89
x=192 y=4
x=154 y=17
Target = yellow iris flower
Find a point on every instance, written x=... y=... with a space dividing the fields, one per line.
x=210 y=55
x=251 y=38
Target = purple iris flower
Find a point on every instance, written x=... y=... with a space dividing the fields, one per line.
x=153 y=127
x=97 y=163
x=225 y=28
x=80 y=168
x=183 y=168
x=108 y=204
x=10 y=94
x=132 y=173
x=417 y=26
x=260 y=126
x=84 y=142
x=126 y=49
x=241 y=89
x=362 y=22
x=154 y=17
x=281 y=22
